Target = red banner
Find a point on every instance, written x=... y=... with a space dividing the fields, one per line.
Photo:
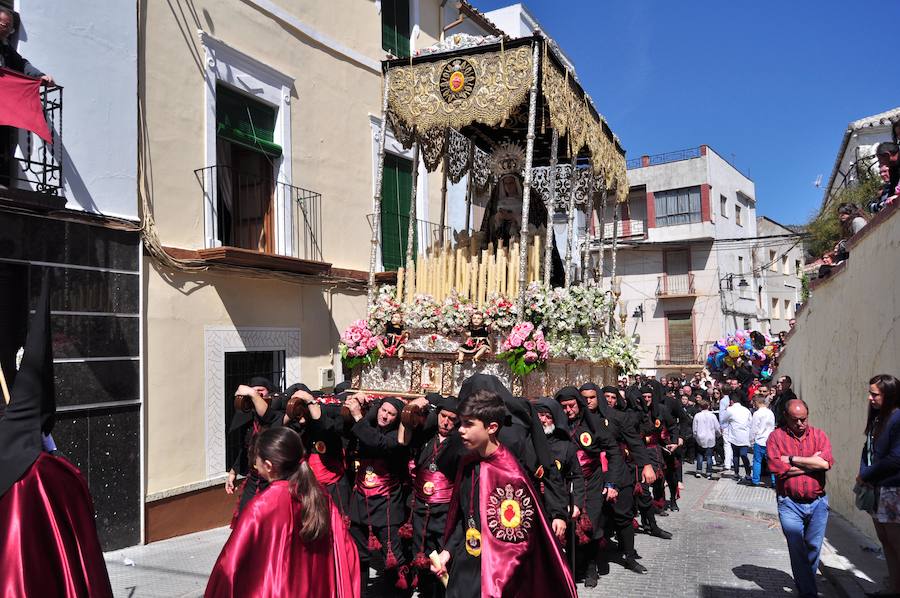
x=20 y=104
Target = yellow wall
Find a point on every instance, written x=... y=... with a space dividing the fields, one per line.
x=845 y=335
x=182 y=306
x=332 y=147
x=330 y=107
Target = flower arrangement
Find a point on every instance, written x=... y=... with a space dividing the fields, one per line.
x=384 y=307
x=456 y=315
x=525 y=348
x=359 y=345
x=536 y=303
x=500 y=313
x=424 y=314
x=560 y=314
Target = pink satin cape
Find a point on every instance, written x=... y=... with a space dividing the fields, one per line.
x=533 y=565
x=265 y=557
x=48 y=538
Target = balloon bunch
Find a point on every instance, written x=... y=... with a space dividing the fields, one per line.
x=744 y=348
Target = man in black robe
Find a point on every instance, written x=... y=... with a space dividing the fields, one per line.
x=603 y=469
x=437 y=450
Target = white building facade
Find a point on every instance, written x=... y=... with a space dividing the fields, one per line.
x=686 y=257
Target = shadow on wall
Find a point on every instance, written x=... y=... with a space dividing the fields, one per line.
x=844 y=335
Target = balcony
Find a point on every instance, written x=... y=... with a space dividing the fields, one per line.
x=681 y=355
x=260 y=222
x=628 y=229
x=31 y=168
x=676 y=285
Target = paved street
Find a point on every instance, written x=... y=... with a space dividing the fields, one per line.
x=727 y=544
x=713 y=553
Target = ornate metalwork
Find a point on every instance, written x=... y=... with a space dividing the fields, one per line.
x=379 y=174
x=550 y=178
x=585 y=185
x=571 y=114
x=447 y=378
x=501 y=83
x=526 y=184
x=415 y=376
x=507 y=158
x=411 y=230
x=570 y=224
x=458 y=156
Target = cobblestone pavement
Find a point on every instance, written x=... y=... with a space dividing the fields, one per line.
x=714 y=554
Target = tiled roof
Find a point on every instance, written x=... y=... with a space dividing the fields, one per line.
x=883 y=118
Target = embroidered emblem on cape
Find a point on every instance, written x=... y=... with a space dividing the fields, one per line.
x=510 y=514
x=606 y=422
x=539 y=472
x=320 y=447
x=428 y=488
x=473 y=541
x=370 y=481
x=658 y=424
x=558 y=464
x=585 y=439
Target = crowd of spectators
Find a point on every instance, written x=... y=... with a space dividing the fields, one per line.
x=728 y=422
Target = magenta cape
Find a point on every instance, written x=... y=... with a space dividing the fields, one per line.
x=48 y=539
x=520 y=555
x=264 y=555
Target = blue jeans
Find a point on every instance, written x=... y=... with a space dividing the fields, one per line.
x=759 y=455
x=705 y=454
x=739 y=455
x=803 y=525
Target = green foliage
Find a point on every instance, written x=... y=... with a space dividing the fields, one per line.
x=804 y=287
x=824 y=228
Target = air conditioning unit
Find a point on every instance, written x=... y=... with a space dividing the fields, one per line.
x=326 y=377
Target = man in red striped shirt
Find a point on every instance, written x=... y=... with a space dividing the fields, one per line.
x=799 y=455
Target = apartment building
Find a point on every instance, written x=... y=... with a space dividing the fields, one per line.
x=688 y=257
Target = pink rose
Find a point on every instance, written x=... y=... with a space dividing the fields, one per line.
x=360 y=351
x=526 y=328
x=371 y=343
x=541 y=346
x=355 y=336
x=529 y=345
x=531 y=357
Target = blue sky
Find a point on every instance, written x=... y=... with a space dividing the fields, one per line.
x=773 y=83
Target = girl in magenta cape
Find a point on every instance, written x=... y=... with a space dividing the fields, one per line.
x=289 y=540
x=499 y=544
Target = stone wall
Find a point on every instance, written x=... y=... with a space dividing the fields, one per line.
x=845 y=334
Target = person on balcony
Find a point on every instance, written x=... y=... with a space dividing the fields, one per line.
x=11 y=59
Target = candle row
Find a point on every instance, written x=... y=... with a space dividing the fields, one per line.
x=474 y=274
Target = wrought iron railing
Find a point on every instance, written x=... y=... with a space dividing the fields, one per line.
x=676 y=156
x=250 y=208
x=680 y=354
x=30 y=163
x=675 y=285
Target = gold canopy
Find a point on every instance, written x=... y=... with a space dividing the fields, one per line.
x=464 y=88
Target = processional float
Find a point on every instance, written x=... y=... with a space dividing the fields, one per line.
x=501 y=295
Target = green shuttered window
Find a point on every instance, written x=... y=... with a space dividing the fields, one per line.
x=396 y=188
x=245 y=121
x=395 y=27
